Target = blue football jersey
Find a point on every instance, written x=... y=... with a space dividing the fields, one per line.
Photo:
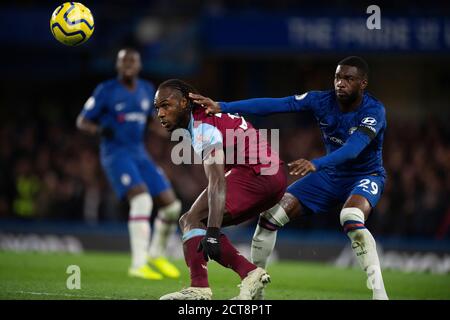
x=124 y=111
x=336 y=126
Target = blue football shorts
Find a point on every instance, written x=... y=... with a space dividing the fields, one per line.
x=125 y=171
x=321 y=192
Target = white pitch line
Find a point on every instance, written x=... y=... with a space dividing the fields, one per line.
x=64 y=295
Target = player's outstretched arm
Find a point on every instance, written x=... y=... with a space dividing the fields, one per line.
x=214 y=169
x=258 y=106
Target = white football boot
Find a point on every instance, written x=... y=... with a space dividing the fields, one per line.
x=253 y=285
x=191 y=293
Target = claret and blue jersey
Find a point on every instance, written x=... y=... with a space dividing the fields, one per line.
x=353 y=142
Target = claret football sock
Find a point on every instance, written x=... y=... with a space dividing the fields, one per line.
x=196 y=262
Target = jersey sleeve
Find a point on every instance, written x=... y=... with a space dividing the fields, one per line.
x=206 y=138
x=266 y=106
x=350 y=150
x=371 y=121
x=95 y=105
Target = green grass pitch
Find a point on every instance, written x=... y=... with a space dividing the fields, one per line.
x=104 y=276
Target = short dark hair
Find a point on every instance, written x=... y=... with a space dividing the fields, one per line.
x=357 y=62
x=179 y=85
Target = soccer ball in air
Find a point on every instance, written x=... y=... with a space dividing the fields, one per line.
x=72 y=23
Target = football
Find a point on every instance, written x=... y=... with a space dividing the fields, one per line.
x=72 y=23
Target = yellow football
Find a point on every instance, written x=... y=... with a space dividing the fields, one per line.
x=72 y=23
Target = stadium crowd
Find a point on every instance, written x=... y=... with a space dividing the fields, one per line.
x=53 y=172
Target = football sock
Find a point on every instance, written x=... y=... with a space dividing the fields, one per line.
x=164 y=226
x=265 y=235
x=197 y=264
x=231 y=258
x=262 y=246
x=139 y=228
x=364 y=247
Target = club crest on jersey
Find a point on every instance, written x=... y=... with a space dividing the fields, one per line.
x=145 y=104
x=352 y=129
x=370 y=121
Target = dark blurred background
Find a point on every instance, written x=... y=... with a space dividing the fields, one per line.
x=229 y=50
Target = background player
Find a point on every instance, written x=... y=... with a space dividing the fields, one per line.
x=353 y=125
x=118 y=111
x=229 y=199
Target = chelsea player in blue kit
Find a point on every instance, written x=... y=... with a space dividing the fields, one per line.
x=118 y=111
x=353 y=124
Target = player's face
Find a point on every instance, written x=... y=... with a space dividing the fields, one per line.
x=128 y=63
x=172 y=109
x=348 y=84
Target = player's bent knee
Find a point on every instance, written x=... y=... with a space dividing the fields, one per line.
x=183 y=221
x=170 y=213
x=274 y=218
x=141 y=206
x=352 y=219
x=291 y=205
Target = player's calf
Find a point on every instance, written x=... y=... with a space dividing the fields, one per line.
x=164 y=226
x=364 y=247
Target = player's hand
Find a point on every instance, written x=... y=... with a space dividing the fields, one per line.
x=211 y=106
x=106 y=132
x=210 y=244
x=301 y=167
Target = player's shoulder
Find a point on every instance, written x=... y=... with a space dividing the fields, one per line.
x=318 y=101
x=106 y=85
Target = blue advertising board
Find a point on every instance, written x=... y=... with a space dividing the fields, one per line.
x=283 y=33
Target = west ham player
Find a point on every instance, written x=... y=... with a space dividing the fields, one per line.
x=247 y=189
x=353 y=124
x=118 y=111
